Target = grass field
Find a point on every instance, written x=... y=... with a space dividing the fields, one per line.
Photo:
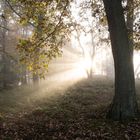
x=74 y=111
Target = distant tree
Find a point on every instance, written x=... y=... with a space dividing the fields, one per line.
x=90 y=20
x=11 y=72
x=3 y=43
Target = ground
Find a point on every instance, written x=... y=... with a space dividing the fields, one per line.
x=74 y=113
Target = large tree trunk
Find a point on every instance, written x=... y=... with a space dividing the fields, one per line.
x=124 y=105
x=130 y=20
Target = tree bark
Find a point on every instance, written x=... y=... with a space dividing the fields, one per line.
x=3 y=43
x=39 y=33
x=130 y=20
x=124 y=105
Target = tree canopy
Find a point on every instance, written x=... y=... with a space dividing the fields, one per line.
x=49 y=27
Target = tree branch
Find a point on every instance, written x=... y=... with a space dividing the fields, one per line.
x=4 y=28
x=18 y=14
